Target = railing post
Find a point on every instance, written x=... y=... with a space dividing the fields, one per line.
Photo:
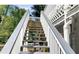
x=67 y=31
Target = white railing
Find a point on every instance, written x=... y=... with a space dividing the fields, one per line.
x=15 y=41
x=56 y=14
x=56 y=42
x=50 y=9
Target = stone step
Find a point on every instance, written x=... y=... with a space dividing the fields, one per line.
x=21 y=52
x=41 y=53
x=29 y=46
x=34 y=41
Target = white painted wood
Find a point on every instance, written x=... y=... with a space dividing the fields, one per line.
x=65 y=48
x=67 y=31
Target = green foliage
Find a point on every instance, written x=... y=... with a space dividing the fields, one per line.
x=37 y=9
x=6 y=28
x=17 y=14
x=10 y=16
x=2 y=9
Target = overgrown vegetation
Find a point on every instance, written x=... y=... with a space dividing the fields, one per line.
x=10 y=16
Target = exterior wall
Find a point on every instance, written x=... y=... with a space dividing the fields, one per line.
x=75 y=33
x=60 y=28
